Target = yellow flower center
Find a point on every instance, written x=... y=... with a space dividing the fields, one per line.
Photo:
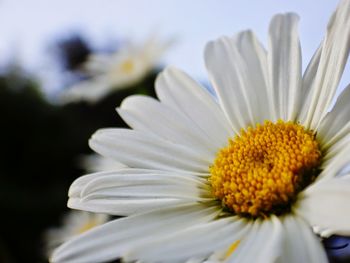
x=261 y=170
x=127 y=66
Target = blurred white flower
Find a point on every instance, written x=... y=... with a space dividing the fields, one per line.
x=120 y=70
x=74 y=223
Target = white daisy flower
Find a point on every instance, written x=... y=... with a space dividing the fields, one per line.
x=74 y=223
x=126 y=67
x=245 y=178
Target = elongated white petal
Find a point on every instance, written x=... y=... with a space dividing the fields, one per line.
x=336 y=124
x=121 y=207
x=196 y=260
x=308 y=84
x=333 y=56
x=255 y=248
x=326 y=204
x=177 y=90
x=81 y=182
x=147 y=114
x=144 y=150
x=252 y=61
x=199 y=240
x=113 y=239
x=333 y=152
x=284 y=64
x=237 y=70
x=300 y=243
x=148 y=190
x=335 y=161
x=130 y=191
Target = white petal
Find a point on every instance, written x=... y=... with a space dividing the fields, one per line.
x=138 y=178
x=336 y=124
x=199 y=240
x=98 y=64
x=307 y=84
x=334 y=161
x=129 y=191
x=333 y=56
x=80 y=182
x=301 y=244
x=89 y=90
x=284 y=63
x=326 y=204
x=147 y=114
x=237 y=70
x=252 y=60
x=177 y=90
x=143 y=150
x=111 y=240
x=78 y=185
x=196 y=260
x=123 y=207
x=262 y=244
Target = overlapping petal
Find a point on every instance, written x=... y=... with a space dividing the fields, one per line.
x=144 y=150
x=300 y=243
x=177 y=90
x=335 y=161
x=146 y=114
x=335 y=126
x=326 y=205
x=254 y=246
x=327 y=68
x=130 y=191
x=112 y=240
x=198 y=241
x=284 y=64
x=242 y=95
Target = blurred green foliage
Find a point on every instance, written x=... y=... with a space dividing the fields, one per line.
x=41 y=144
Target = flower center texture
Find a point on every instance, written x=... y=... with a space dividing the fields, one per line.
x=262 y=169
x=127 y=66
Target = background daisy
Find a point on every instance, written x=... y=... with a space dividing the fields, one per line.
x=74 y=223
x=121 y=70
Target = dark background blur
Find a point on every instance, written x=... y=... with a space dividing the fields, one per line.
x=41 y=145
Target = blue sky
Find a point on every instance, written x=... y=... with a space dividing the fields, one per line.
x=192 y=23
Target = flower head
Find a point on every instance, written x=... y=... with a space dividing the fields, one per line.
x=126 y=67
x=253 y=176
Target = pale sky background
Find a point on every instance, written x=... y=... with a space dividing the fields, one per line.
x=27 y=26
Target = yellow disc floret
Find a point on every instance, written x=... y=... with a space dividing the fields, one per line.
x=262 y=169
